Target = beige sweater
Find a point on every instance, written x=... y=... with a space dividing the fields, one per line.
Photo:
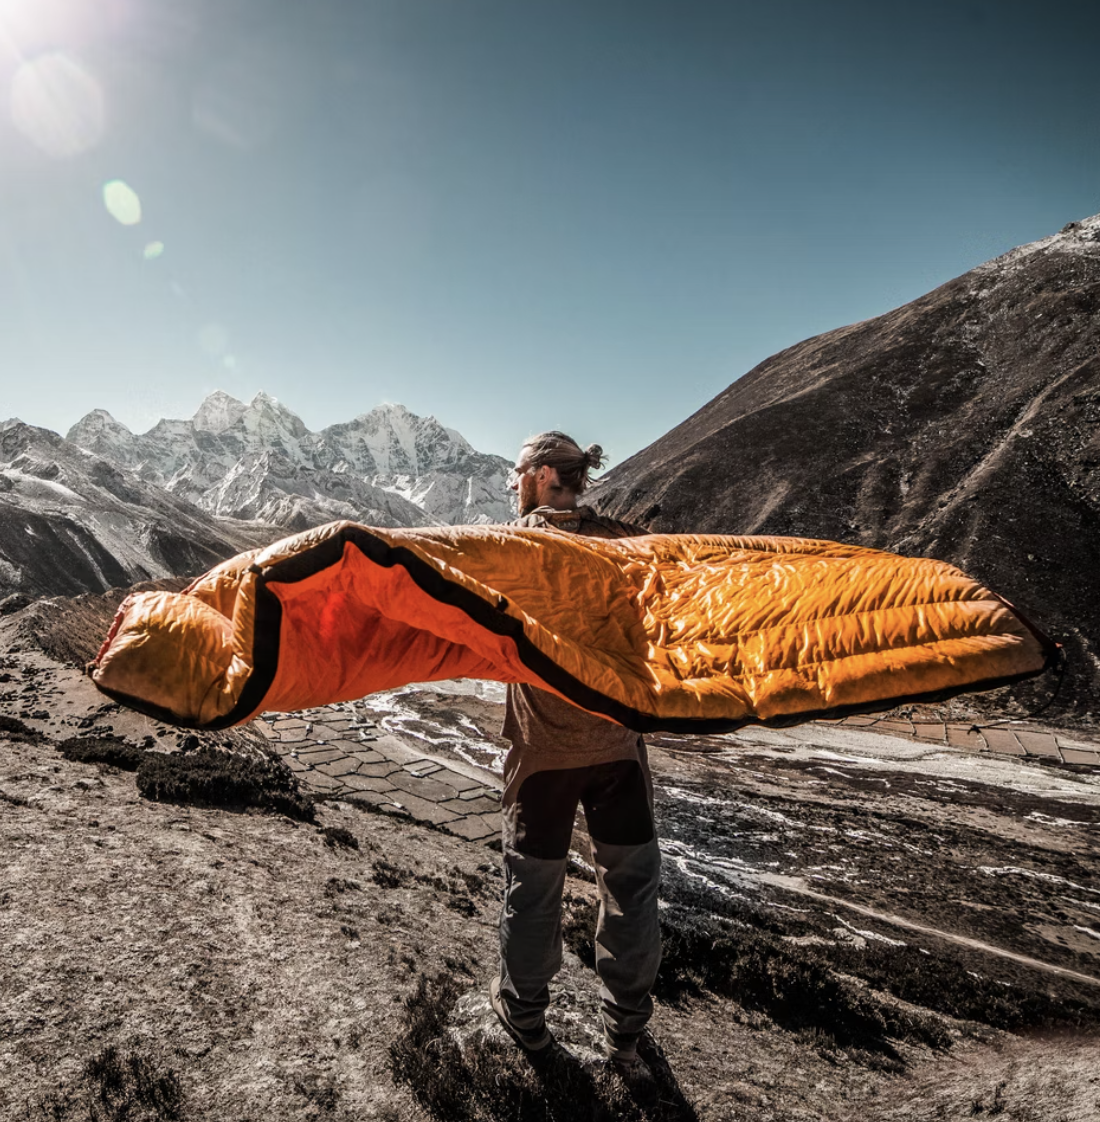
x=547 y=732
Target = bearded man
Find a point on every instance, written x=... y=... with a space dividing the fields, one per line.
x=562 y=756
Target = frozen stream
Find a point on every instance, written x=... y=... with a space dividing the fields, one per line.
x=459 y=719
x=928 y=842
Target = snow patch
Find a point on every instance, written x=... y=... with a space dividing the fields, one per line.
x=1013 y=870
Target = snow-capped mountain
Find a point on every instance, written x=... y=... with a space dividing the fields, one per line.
x=259 y=461
x=105 y=507
x=72 y=521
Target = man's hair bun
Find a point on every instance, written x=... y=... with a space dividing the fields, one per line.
x=564 y=455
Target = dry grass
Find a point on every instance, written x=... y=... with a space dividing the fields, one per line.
x=110 y=750
x=116 y=1086
x=495 y=1082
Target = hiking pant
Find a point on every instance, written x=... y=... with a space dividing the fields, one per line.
x=537 y=828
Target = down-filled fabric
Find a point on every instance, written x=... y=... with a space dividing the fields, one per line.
x=676 y=632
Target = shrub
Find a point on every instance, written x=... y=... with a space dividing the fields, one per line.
x=117 y=1087
x=791 y=984
x=207 y=777
x=102 y=750
x=337 y=837
x=15 y=729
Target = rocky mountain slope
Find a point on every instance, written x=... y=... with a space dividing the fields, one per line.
x=963 y=426
x=856 y=925
x=259 y=461
x=106 y=508
x=71 y=521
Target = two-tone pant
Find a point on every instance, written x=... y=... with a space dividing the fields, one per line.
x=538 y=826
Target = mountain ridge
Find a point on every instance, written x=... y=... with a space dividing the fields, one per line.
x=964 y=425
x=104 y=507
x=72 y=522
x=394 y=453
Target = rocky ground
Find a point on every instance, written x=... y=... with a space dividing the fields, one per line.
x=894 y=920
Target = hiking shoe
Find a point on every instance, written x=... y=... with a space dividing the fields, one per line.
x=623 y=1059
x=635 y=1073
x=530 y=1040
x=620 y=1050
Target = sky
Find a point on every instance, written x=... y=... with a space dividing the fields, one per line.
x=516 y=215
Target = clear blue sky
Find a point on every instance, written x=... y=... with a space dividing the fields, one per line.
x=514 y=214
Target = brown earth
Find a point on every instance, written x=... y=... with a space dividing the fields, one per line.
x=855 y=925
x=962 y=426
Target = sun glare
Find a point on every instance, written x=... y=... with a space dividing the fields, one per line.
x=28 y=27
x=57 y=105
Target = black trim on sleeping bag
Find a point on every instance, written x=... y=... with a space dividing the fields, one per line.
x=494 y=618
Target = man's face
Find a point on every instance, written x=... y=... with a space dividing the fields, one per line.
x=524 y=482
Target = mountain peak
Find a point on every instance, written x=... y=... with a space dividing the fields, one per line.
x=261 y=399
x=265 y=411
x=387 y=467
x=217 y=412
x=100 y=417
x=97 y=427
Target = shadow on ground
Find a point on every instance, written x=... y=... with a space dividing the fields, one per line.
x=482 y=1078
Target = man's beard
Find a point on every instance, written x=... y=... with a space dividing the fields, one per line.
x=527 y=498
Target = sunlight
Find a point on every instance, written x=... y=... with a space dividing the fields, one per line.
x=57 y=105
x=27 y=24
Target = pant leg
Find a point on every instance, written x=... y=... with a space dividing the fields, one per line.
x=537 y=829
x=627 y=859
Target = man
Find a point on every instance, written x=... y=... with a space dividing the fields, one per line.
x=561 y=756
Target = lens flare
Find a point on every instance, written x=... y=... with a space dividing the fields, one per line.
x=153 y=250
x=122 y=202
x=57 y=105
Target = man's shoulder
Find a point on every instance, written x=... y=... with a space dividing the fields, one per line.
x=579 y=520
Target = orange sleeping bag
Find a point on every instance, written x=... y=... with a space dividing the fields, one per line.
x=676 y=632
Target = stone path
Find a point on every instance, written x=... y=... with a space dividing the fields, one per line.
x=339 y=752
x=1007 y=739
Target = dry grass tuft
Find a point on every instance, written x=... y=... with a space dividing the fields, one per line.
x=116 y=1086
x=103 y=750
x=336 y=837
x=12 y=728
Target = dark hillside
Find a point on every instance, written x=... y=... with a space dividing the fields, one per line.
x=963 y=426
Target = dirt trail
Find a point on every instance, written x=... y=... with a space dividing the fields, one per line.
x=796 y=885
